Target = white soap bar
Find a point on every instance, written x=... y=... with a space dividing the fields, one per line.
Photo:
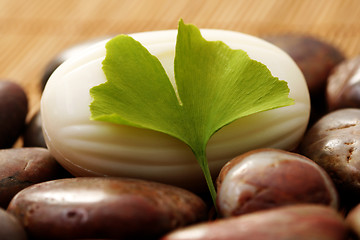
x=94 y=148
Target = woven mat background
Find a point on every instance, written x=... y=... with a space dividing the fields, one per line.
x=33 y=32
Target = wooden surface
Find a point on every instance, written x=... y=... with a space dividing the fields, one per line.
x=32 y=32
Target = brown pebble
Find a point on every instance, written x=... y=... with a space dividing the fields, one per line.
x=33 y=135
x=343 y=88
x=10 y=227
x=268 y=178
x=333 y=142
x=105 y=208
x=353 y=221
x=13 y=111
x=300 y=222
x=22 y=167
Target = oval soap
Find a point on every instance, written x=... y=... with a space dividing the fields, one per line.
x=95 y=148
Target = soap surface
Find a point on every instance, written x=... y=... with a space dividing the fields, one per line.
x=94 y=148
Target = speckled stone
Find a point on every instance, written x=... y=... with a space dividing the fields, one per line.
x=300 y=222
x=23 y=167
x=105 y=208
x=10 y=227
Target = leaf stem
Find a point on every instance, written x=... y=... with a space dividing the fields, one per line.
x=206 y=171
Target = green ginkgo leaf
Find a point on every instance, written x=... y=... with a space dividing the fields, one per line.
x=216 y=85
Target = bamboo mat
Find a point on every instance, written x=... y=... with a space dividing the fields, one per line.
x=33 y=32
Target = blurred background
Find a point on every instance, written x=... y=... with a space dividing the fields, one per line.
x=33 y=32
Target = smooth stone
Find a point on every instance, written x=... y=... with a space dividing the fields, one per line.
x=333 y=142
x=268 y=178
x=101 y=207
x=353 y=221
x=33 y=135
x=343 y=88
x=22 y=167
x=300 y=222
x=13 y=111
x=10 y=227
